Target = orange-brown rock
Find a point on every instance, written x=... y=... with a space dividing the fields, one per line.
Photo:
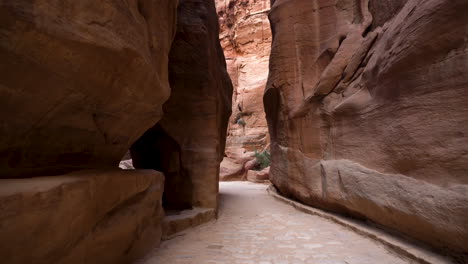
x=367 y=109
x=233 y=169
x=81 y=218
x=246 y=40
x=258 y=176
x=188 y=143
x=80 y=81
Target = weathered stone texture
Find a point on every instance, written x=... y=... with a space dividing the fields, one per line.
x=258 y=176
x=83 y=217
x=367 y=108
x=80 y=81
x=197 y=112
x=246 y=40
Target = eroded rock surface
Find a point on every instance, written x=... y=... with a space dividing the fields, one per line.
x=80 y=81
x=367 y=108
x=196 y=115
x=246 y=40
x=82 y=217
x=258 y=176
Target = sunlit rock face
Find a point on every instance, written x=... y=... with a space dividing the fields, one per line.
x=246 y=40
x=367 y=108
x=188 y=143
x=80 y=81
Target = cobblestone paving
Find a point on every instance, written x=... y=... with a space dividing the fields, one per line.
x=254 y=228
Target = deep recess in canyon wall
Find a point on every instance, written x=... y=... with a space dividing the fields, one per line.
x=367 y=108
x=80 y=82
x=196 y=114
x=246 y=40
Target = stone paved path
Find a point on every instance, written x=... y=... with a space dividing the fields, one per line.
x=254 y=228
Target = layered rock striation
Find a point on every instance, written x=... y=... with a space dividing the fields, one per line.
x=81 y=217
x=80 y=81
x=246 y=40
x=188 y=143
x=367 y=109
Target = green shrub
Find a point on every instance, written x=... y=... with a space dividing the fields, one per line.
x=263 y=159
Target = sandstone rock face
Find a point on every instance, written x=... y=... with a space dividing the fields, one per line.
x=188 y=143
x=126 y=163
x=83 y=217
x=233 y=169
x=258 y=176
x=246 y=40
x=367 y=108
x=80 y=81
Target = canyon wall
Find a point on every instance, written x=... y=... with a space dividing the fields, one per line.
x=246 y=40
x=188 y=143
x=80 y=82
x=85 y=217
x=367 y=109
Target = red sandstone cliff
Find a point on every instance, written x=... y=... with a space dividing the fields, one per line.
x=187 y=145
x=80 y=82
x=246 y=39
x=367 y=109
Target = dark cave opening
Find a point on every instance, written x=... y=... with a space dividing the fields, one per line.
x=157 y=150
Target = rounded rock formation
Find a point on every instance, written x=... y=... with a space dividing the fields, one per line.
x=367 y=109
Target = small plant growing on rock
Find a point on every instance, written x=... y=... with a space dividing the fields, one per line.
x=263 y=159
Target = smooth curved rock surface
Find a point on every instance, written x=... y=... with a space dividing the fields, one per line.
x=367 y=109
x=81 y=218
x=80 y=81
x=197 y=112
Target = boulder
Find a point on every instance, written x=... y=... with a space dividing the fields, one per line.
x=231 y=171
x=86 y=217
x=258 y=176
x=251 y=164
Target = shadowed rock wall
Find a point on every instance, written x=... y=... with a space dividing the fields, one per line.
x=197 y=112
x=367 y=109
x=80 y=81
x=159 y=151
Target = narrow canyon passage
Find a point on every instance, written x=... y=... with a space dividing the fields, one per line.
x=255 y=228
x=354 y=108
